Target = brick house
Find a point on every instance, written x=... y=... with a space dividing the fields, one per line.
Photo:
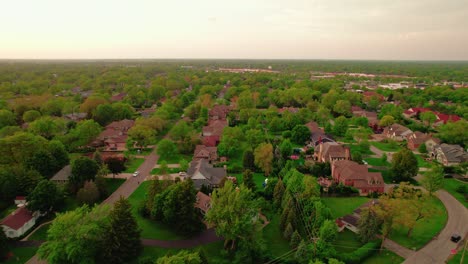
x=214 y=128
x=417 y=138
x=356 y=175
x=397 y=132
x=331 y=151
x=114 y=137
x=317 y=135
x=204 y=152
x=219 y=112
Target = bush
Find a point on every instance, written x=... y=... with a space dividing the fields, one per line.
x=287 y=134
x=463 y=189
x=360 y=254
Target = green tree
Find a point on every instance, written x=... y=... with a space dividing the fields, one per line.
x=4 y=248
x=183 y=257
x=76 y=236
x=404 y=165
x=341 y=126
x=286 y=148
x=163 y=168
x=43 y=162
x=141 y=135
x=386 y=121
x=287 y=234
x=122 y=111
x=369 y=225
x=167 y=148
x=45 y=197
x=122 y=240
x=295 y=239
x=184 y=165
x=454 y=133
x=428 y=117
x=60 y=154
x=103 y=114
x=7 y=118
x=264 y=157
x=115 y=165
x=422 y=148
x=89 y=194
x=342 y=107
x=83 y=169
x=31 y=115
x=47 y=127
x=247 y=180
x=433 y=180
x=248 y=160
x=278 y=193
x=300 y=134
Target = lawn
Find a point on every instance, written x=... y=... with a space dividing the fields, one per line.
x=169 y=171
x=150 y=228
x=113 y=184
x=347 y=242
x=377 y=162
x=389 y=147
x=41 y=233
x=384 y=257
x=70 y=204
x=451 y=185
x=275 y=241
x=356 y=148
x=258 y=178
x=133 y=165
x=341 y=206
x=425 y=230
x=174 y=159
x=386 y=174
x=21 y=255
x=422 y=163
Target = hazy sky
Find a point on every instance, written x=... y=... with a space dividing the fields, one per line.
x=276 y=29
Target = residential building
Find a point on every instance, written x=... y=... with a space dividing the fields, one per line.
x=214 y=128
x=203 y=173
x=114 y=137
x=397 y=132
x=441 y=118
x=371 y=116
x=331 y=151
x=317 y=135
x=417 y=138
x=449 y=155
x=219 y=112
x=204 y=152
x=62 y=176
x=356 y=175
x=19 y=222
x=203 y=202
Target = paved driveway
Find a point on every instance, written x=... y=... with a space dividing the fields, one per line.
x=438 y=250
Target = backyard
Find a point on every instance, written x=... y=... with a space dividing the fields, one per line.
x=341 y=206
x=384 y=257
x=452 y=185
x=258 y=178
x=41 y=233
x=175 y=159
x=21 y=255
x=388 y=147
x=272 y=233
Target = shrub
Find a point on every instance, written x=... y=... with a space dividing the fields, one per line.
x=360 y=254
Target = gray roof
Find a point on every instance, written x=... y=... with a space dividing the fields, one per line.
x=202 y=173
x=63 y=174
x=454 y=153
x=350 y=219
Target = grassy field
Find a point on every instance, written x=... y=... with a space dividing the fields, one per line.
x=41 y=233
x=356 y=148
x=386 y=146
x=377 y=162
x=175 y=159
x=422 y=163
x=21 y=255
x=341 y=206
x=451 y=185
x=386 y=174
x=150 y=228
x=133 y=164
x=347 y=242
x=275 y=241
x=384 y=257
x=113 y=184
x=424 y=230
x=169 y=171
x=259 y=179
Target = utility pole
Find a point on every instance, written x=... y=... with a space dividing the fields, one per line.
x=464 y=248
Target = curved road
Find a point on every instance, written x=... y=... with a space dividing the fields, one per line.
x=438 y=250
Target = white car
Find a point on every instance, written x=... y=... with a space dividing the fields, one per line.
x=182 y=173
x=136 y=173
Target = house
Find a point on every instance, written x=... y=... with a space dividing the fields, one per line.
x=211 y=141
x=417 y=138
x=204 y=152
x=371 y=116
x=203 y=202
x=62 y=176
x=331 y=151
x=449 y=155
x=441 y=118
x=19 y=222
x=114 y=137
x=20 y=200
x=317 y=135
x=214 y=128
x=292 y=110
x=351 y=221
x=219 y=112
x=397 y=132
x=203 y=173
x=356 y=175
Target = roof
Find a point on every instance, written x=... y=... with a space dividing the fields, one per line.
x=220 y=111
x=211 y=141
x=121 y=125
x=314 y=127
x=63 y=174
x=203 y=202
x=215 y=127
x=333 y=150
x=17 y=219
x=398 y=130
x=204 y=152
x=350 y=219
x=361 y=177
x=453 y=153
x=118 y=97
x=202 y=172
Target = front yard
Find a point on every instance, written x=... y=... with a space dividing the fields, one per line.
x=341 y=206
x=388 y=147
x=133 y=165
x=452 y=185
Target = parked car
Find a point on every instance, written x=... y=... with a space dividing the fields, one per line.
x=182 y=173
x=136 y=173
x=455 y=238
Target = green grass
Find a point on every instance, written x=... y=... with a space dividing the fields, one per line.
x=386 y=174
x=113 y=184
x=386 y=146
x=144 y=152
x=41 y=233
x=174 y=159
x=133 y=165
x=341 y=206
x=74 y=156
x=377 y=162
x=70 y=204
x=150 y=229
x=422 y=163
x=258 y=178
x=384 y=257
x=356 y=148
x=169 y=171
x=425 y=229
x=275 y=241
x=347 y=241
x=21 y=255
x=451 y=185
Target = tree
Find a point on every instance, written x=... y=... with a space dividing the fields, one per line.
x=341 y=126
x=278 y=193
x=122 y=111
x=300 y=134
x=247 y=179
x=342 y=107
x=7 y=118
x=357 y=157
x=91 y=103
x=295 y=239
x=232 y=211
x=45 y=197
x=184 y=165
x=84 y=132
x=163 y=168
x=103 y=114
x=141 y=135
x=31 y=115
x=89 y=194
x=303 y=253
x=286 y=148
x=454 y=133
x=422 y=148
x=433 y=180
x=76 y=236
x=4 y=248
x=428 y=117
x=248 y=160
x=60 y=154
x=264 y=157
x=369 y=225
x=47 y=127
x=83 y=169
x=115 y=165
x=386 y=121
x=167 y=148
x=43 y=162
x=404 y=165
x=183 y=257
x=122 y=240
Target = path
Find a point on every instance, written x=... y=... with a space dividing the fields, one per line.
x=438 y=250
x=396 y=248
x=37 y=228
x=379 y=153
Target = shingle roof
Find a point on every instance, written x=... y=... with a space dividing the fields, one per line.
x=201 y=172
x=17 y=219
x=454 y=153
x=63 y=174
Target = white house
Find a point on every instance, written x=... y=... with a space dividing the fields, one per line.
x=18 y=222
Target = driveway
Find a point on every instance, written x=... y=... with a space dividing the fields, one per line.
x=379 y=153
x=438 y=250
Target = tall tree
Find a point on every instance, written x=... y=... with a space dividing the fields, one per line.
x=434 y=179
x=369 y=225
x=264 y=157
x=89 y=194
x=83 y=169
x=404 y=165
x=115 y=165
x=428 y=118
x=122 y=240
x=166 y=148
x=7 y=118
x=4 y=248
x=386 y=121
x=300 y=134
x=247 y=179
x=278 y=193
x=248 y=160
x=141 y=135
x=45 y=197
x=286 y=148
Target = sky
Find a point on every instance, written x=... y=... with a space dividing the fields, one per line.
x=248 y=29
